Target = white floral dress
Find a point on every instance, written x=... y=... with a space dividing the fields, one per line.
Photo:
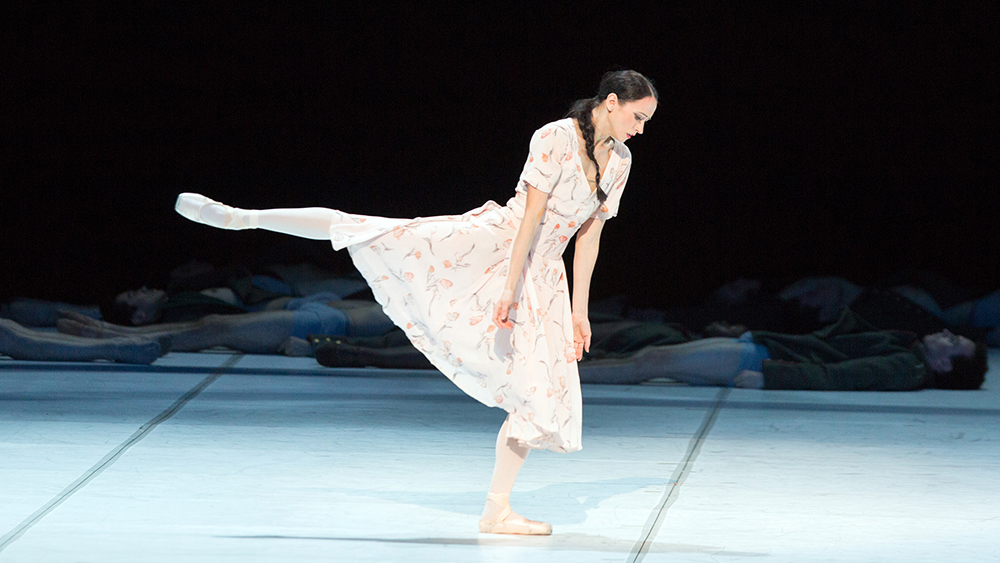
x=438 y=278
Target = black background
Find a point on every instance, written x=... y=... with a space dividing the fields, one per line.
x=844 y=139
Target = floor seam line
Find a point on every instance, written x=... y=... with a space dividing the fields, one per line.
x=656 y=517
x=113 y=456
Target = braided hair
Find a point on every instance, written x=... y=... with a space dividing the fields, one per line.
x=628 y=85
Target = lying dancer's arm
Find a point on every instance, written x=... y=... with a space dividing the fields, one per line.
x=588 y=241
x=534 y=209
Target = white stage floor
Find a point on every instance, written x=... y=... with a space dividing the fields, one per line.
x=218 y=457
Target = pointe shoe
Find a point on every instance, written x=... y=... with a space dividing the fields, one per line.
x=201 y=209
x=506 y=522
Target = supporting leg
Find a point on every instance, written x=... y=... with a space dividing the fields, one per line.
x=498 y=518
x=510 y=457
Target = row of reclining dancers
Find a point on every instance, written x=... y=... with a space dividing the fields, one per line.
x=484 y=295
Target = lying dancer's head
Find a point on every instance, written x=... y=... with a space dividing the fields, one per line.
x=626 y=99
x=956 y=361
x=136 y=307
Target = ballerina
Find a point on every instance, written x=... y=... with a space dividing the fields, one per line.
x=484 y=295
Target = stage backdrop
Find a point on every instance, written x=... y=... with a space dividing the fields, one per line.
x=847 y=140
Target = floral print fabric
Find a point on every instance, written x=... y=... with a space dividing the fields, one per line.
x=438 y=278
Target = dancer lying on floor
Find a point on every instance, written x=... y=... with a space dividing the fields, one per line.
x=266 y=332
x=196 y=289
x=812 y=303
x=282 y=331
x=850 y=355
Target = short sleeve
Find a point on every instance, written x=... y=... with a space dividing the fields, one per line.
x=609 y=208
x=546 y=153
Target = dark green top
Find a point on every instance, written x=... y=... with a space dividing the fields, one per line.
x=849 y=355
x=189 y=304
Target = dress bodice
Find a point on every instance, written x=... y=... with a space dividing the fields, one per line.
x=554 y=167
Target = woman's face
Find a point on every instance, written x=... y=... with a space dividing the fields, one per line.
x=941 y=346
x=629 y=118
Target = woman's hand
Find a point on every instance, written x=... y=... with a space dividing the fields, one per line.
x=581 y=335
x=501 y=313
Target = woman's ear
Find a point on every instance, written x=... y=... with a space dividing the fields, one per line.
x=612 y=101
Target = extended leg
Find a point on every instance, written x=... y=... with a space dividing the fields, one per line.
x=497 y=517
x=310 y=222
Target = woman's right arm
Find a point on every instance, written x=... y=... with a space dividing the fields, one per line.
x=534 y=209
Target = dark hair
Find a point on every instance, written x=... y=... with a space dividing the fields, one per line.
x=966 y=373
x=116 y=311
x=628 y=85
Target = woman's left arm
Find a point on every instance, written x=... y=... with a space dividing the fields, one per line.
x=588 y=240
